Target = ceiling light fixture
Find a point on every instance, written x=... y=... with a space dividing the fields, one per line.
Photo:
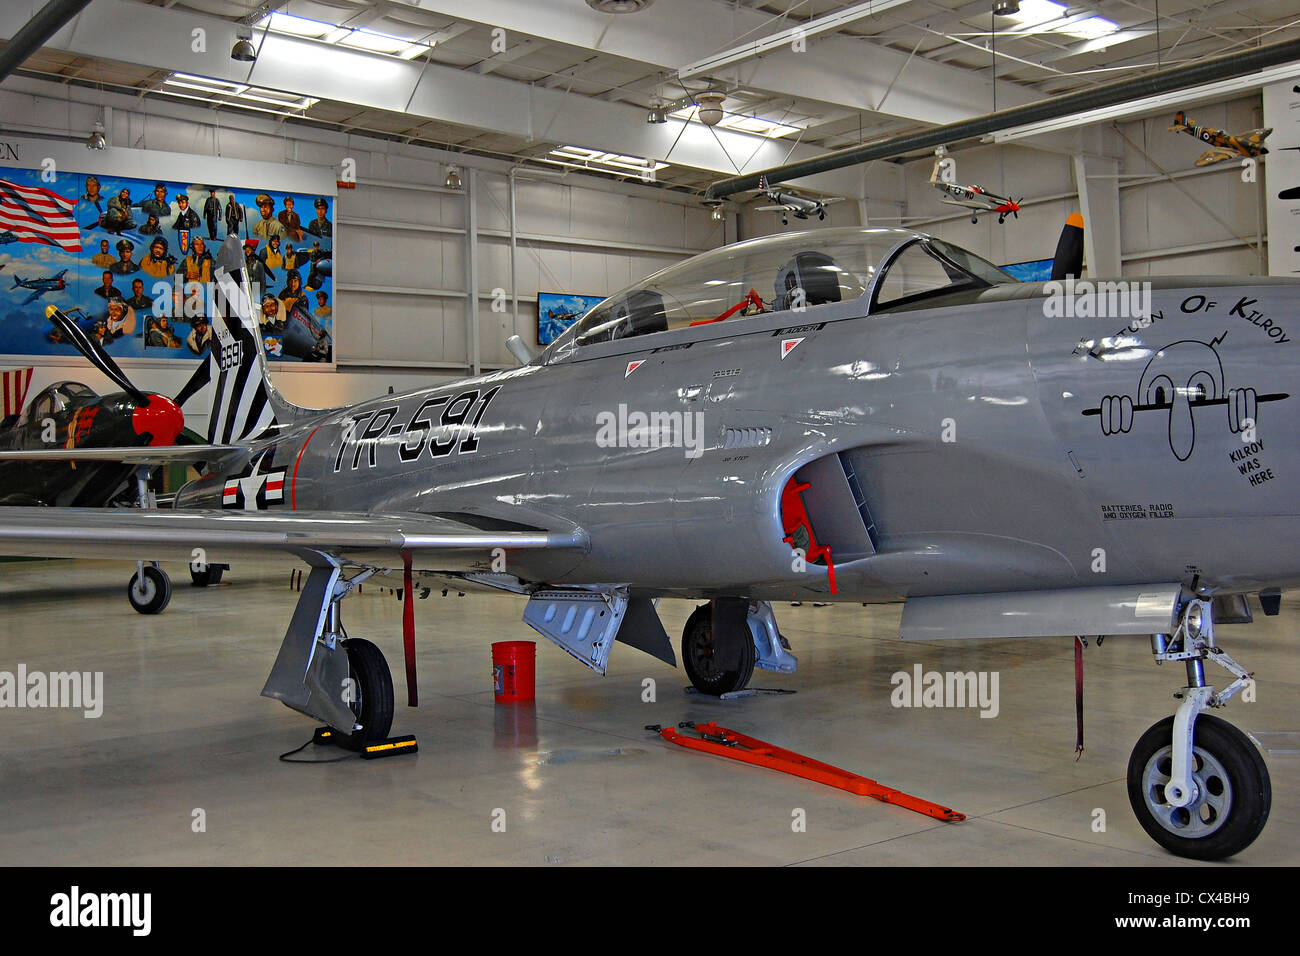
x=1005 y=8
x=96 y=139
x=618 y=6
x=453 y=180
x=710 y=107
x=243 y=50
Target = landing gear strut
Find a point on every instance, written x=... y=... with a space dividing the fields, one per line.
x=1198 y=785
x=150 y=588
x=323 y=673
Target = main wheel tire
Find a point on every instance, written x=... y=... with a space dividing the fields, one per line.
x=698 y=649
x=1235 y=791
x=150 y=594
x=211 y=574
x=373 y=697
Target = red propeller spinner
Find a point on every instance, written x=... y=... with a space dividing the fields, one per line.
x=162 y=420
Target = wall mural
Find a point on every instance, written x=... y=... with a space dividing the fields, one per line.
x=131 y=261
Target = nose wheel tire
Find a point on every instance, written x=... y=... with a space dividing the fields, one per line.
x=1234 y=792
x=371 y=693
x=149 y=594
x=699 y=656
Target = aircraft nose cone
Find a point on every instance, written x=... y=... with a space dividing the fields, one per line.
x=162 y=420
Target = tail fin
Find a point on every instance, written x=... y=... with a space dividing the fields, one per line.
x=1069 y=250
x=245 y=405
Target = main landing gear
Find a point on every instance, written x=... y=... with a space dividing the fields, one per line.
x=1198 y=785
x=323 y=673
x=724 y=641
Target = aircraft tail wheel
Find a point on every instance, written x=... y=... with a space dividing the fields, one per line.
x=211 y=574
x=698 y=649
x=149 y=594
x=1234 y=790
x=371 y=692
x=975 y=219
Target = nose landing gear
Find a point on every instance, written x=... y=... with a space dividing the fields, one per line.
x=1198 y=786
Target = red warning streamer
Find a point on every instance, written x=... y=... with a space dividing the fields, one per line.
x=408 y=631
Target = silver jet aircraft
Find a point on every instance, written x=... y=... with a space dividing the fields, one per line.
x=841 y=415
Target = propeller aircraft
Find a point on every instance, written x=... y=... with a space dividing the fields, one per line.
x=789 y=203
x=974 y=197
x=41 y=286
x=1226 y=146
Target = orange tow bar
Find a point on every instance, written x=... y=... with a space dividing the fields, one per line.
x=728 y=743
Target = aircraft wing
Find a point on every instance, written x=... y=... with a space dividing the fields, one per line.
x=370 y=539
x=773 y=209
x=1212 y=156
x=33 y=297
x=143 y=455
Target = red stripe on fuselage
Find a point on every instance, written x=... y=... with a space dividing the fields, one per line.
x=293 y=485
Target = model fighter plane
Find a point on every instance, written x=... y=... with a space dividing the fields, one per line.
x=888 y=417
x=1226 y=146
x=789 y=203
x=974 y=197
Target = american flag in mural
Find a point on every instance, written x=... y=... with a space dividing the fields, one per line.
x=15 y=389
x=38 y=215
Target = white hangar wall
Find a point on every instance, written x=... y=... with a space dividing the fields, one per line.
x=401 y=238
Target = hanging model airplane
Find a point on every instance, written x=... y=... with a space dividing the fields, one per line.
x=1226 y=146
x=789 y=203
x=974 y=197
x=890 y=418
x=41 y=286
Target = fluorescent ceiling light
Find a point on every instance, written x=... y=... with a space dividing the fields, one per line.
x=236 y=94
x=368 y=40
x=1176 y=100
x=579 y=157
x=295 y=26
x=1034 y=12
x=741 y=123
x=374 y=42
x=1090 y=28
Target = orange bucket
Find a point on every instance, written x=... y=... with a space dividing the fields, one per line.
x=514 y=671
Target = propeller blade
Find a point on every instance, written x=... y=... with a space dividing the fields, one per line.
x=94 y=352
x=1068 y=260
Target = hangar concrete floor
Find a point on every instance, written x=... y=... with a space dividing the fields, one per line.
x=183 y=729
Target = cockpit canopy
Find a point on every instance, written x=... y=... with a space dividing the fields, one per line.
x=791 y=271
x=53 y=400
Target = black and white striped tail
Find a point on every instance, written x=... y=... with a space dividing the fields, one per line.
x=245 y=405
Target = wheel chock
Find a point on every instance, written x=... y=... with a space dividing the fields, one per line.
x=389 y=747
x=722 y=742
